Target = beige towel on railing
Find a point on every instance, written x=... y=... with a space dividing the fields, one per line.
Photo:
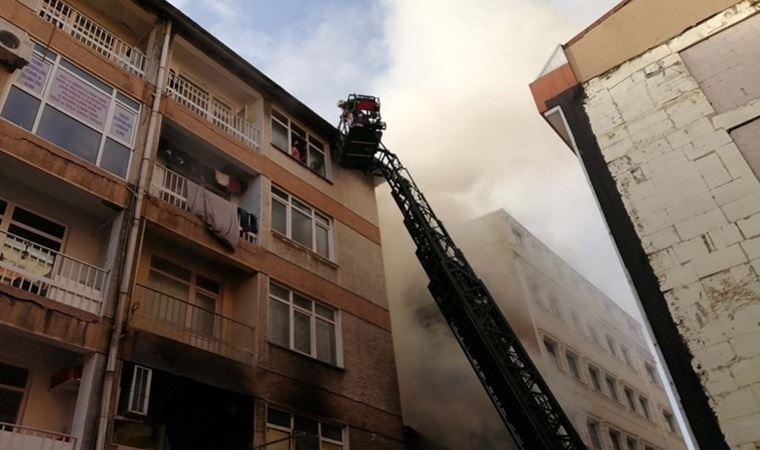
x=219 y=215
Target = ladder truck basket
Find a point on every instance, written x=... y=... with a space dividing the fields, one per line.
x=361 y=129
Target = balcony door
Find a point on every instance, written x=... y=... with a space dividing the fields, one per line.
x=187 y=299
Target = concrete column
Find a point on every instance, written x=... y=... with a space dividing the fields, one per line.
x=85 y=411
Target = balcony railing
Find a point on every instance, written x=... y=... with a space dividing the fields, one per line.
x=178 y=319
x=216 y=112
x=42 y=271
x=16 y=437
x=171 y=187
x=94 y=35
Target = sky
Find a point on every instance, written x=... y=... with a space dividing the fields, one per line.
x=453 y=77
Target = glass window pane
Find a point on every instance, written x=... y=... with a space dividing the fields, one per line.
x=307 y=442
x=70 y=134
x=302 y=302
x=280 y=193
x=316 y=161
x=279 y=292
x=332 y=432
x=325 y=312
x=21 y=108
x=307 y=425
x=279 y=116
x=34 y=75
x=34 y=237
x=302 y=332
x=128 y=101
x=40 y=223
x=207 y=284
x=279 y=217
x=169 y=267
x=87 y=77
x=279 y=135
x=10 y=404
x=123 y=124
x=115 y=158
x=323 y=242
x=279 y=437
x=301 y=231
x=277 y=417
x=279 y=328
x=326 y=342
x=13 y=376
x=203 y=323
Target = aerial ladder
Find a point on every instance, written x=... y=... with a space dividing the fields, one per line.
x=520 y=395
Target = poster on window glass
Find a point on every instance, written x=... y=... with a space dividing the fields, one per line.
x=34 y=75
x=122 y=124
x=79 y=99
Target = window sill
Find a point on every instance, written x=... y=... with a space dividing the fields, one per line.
x=302 y=164
x=307 y=357
x=299 y=246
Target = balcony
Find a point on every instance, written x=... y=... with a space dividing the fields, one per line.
x=177 y=319
x=171 y=187
x=221 y=115
x=45 y=272
x=94 y=35
x=17 y=437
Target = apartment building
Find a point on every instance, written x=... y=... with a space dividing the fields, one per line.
x=183 y=264
x=660 y=103
x=592 y=353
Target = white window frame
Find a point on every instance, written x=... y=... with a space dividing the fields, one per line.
x=599 y=377
x=6 y=220
x=599 y=434
x=292 y=308
x=24 y=391
x=54 y=58
x=572 y=354
x=557 y=356
x=318 y=219
x=290 y=429
x=311 y=141
x=193 y=289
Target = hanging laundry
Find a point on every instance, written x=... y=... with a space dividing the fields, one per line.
x=219 y=215
x=222 y=179
x=248 y=221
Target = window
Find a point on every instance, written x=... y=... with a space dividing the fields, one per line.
x=630 y=443
x=572 y=363
x=62 y=103
x=648 y=447
x=535 y=290
x=303 y=325
x=615 y=439
x=629 y=397
x=669 y=421
x=593 y=434
x=611 y=345
x=551 y=349
x=627 y=356
x=651 y=373
x=30 y=244
x=595 y=377
x=192 y=298
x=301 y=223
x=301 y=145
x=612 y=387
x=644 y=402
x=314 y=434
x=13 y=381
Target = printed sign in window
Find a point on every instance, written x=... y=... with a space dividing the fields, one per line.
x=123 y=123
x=34 y=75
x=79 y=98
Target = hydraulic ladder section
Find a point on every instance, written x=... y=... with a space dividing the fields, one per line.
x=521 y=397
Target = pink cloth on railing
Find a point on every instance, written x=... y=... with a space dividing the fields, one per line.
x=219 y=215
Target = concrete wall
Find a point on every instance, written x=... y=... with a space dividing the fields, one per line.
x=695 y=203
x=632 y=28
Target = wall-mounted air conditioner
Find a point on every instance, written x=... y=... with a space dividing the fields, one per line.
x=15 y=46
x=139 y=391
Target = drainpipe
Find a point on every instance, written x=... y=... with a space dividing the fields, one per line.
x=132 y=238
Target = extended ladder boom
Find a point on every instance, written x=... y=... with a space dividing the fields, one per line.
x=521 y=397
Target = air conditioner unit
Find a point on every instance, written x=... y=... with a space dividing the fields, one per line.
x=139 y=391
x=15 y=46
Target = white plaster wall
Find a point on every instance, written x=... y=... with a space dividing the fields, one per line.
x=695 y=204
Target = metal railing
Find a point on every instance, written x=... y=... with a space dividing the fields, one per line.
x=94 y=35
x=42 y=271
x=171 y=187
x=183 y=321
x=200 y=102
x=17 y=437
